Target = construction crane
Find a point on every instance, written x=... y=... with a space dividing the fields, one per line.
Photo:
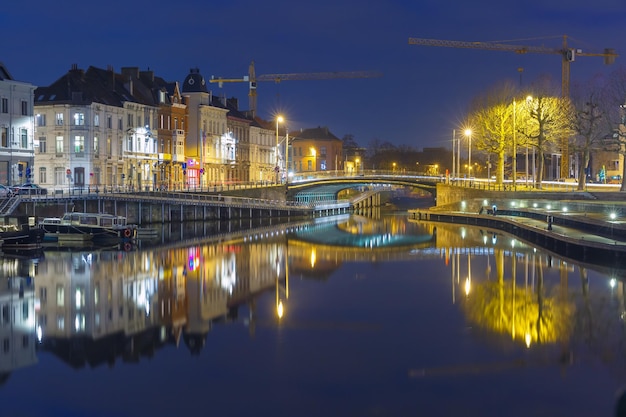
x=252 y=79
x=568 y=55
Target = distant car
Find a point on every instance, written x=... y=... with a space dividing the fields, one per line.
x=29 y=189
x=5 y=192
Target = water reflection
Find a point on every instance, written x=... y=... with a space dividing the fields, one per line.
x=105 y=307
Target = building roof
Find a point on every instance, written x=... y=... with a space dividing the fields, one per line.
x=4 y=73
x=194 y=82
x=104 y=86
x=316 y=133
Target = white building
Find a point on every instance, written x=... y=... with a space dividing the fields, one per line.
x=94 y=130
x=16 y=130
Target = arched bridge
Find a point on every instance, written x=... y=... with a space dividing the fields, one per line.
x=327 y=185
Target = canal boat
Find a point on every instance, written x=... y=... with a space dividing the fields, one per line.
x=96 y=227
x=18 y=239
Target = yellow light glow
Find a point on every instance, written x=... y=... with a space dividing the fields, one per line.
x=280 y=119
x=468 y=286
x=280 y=310
x=313 y=258
x=527 y=338
x=468 y=132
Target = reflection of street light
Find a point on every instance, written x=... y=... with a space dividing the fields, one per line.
x=468 y=133
x=279 y=119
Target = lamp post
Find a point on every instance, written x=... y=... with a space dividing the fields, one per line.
x=394 y=167
x=279 y=119
x=314 y=154
x=357 y=165
x=528 y=101
x=514 y=155
x=468 y=133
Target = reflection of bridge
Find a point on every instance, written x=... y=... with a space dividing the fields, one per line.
x=326 y=185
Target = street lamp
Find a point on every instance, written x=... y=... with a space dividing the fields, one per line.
x=357 y=165
x=394 y=167
x=514 y=156
x=279 y=119
x=468 y=133
x=528 y=101
x=314 y=154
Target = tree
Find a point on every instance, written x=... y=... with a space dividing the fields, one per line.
x=614 y=98
x=492 y=121
x=546 y=121
x=348 y=142
x=589 y=124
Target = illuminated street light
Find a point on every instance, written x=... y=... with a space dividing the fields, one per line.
x=279 y=119
x=394 y=167
x=314 y=155
x=357 y=165
x=468 y=133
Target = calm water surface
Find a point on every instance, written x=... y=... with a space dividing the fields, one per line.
x=338 y=317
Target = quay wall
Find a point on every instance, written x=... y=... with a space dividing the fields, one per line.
x=450 y=196
x=147 y=211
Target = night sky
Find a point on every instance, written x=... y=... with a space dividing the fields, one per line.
x=422 y=96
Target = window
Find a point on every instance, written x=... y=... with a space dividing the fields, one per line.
x=79 y=144
x=4 y=139
x=43 y=177
x=96 y=120
x=5 y=105
x=25 y=310
x=59 y=176
x=24 y=108
x=79 y=297
x=59 y=119
x=120 y=125
x=96 y=147
x=60 y=322
x=60 y=296
x=42 y=144
x=309 y=165
x=79 y=119
x=109 y=122
x=130 y=120
x=109 y=147
x=43 y=295
x=24 y=138
x=59 y=145
x=41 y=120
x=5 y=313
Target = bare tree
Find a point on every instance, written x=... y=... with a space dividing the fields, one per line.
x=589 y=123
x=614 y=108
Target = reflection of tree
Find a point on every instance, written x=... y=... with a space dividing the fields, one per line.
x=599 y=324
x=526 y=316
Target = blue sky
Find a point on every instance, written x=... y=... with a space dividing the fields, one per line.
x=421 y=98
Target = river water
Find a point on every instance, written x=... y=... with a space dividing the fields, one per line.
x=343 y=316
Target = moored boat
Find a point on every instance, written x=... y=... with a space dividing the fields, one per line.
x=15 y=239
x=96 y=227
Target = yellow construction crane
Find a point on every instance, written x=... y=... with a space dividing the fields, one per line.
x=568 y=55
x=252 y=79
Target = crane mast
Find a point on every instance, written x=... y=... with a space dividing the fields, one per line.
x=568 y=55
x=252 y=79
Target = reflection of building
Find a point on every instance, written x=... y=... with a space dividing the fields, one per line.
x=17 y=314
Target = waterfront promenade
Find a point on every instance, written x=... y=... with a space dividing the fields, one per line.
x=590 y=231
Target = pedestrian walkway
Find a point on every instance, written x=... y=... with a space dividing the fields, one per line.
x=581 y=244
